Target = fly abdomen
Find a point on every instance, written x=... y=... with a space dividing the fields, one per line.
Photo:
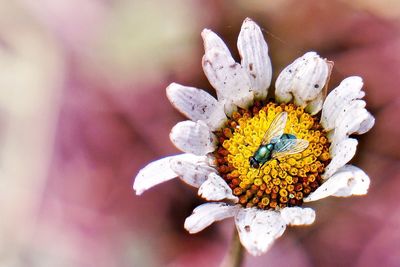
x=279 y=146
x=288 y=136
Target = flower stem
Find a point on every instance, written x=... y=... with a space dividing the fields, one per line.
x=234 y=256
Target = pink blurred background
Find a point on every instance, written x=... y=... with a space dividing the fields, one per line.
x=83 y=108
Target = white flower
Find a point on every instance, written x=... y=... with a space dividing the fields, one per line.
x=238 y=85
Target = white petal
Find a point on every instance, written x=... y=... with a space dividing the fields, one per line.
x=365 y=124
x=192 y=171
x=303 y=80
x=225 y=75
x=357 y=181
x=298 y=216
x=341 y=153
x=344 y=113
x=197 y=105
x=228 y=78
x=255 y=60
x=258 y=229
x=155 y=173
x=213 y=41
x=215 y=188
x=355 y=119
x=316 y=105
x=193 y=137
x=347 y=181
x=204 y=215
x=338 y=100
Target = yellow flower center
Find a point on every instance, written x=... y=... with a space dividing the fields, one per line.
x=278 y=182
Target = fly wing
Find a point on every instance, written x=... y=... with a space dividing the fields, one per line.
x=288 y=147
x=276 y=129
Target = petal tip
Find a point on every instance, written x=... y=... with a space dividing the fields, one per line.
x=137 y=186
x=205 y=32
x=171 y=90
x=138 y=191
x=172 y=86
x=310 y=54
x=355 y=78
x=248 y=21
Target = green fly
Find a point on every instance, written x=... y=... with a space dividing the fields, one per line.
x=277 y=144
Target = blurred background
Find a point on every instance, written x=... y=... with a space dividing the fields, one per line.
x=83 y=108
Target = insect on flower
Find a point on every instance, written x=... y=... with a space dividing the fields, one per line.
x=275 y=144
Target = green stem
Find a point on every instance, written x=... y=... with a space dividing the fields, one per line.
x=234 y=256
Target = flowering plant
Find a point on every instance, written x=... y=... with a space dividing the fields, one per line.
x=257 y=159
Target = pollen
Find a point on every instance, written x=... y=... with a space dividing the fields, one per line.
x=278 y=182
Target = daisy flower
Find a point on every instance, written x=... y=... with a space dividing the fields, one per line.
x=259 y=160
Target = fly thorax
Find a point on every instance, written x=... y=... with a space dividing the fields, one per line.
x=276 y=183
x=263 y=152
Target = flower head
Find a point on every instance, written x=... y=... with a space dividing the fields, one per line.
x=256 y=159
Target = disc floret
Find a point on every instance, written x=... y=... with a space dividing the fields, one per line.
x=279 y=182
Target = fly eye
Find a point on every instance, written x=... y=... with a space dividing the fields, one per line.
x=253 y=162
